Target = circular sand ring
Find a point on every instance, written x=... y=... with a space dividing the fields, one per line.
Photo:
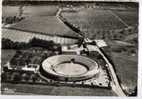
x=68 y=68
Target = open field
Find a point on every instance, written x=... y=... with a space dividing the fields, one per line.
x=93 y=18
x=126 y=69
x=50 y=25
x=12 y=12
x=58 y=90
x=125 y=65
x=18 y=36
x=94 y=21
x=29 y=11
x=129 y=16
x=23 y=36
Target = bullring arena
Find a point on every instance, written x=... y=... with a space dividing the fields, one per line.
x=74 y=69
x=69 y=67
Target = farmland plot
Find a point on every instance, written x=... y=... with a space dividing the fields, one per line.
x=50 y=25
x=9 y=11
x=129 y=16
x=92 y=21
x=40 y=10
x=21 y=36
x=30 y=11
x=15 y=35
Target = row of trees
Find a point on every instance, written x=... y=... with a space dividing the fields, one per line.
x=50 y=45
x=8 y=44
x=35 y=42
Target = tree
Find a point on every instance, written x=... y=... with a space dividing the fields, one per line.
x=16 y=76
x=33 y=77
x=6 y=43
x=25 y=77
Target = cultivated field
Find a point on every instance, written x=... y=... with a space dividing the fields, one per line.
x=96 y=23
x=23 y=36
x=29 y=11
x=17 y=36
x=50 y=25
x=130 y=17
x=93 y=21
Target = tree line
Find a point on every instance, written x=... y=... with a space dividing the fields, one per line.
x=35 y=42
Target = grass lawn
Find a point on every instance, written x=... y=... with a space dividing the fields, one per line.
x=126 y=69
x=57 y=90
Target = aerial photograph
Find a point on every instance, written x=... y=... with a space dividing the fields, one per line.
x=69 y=48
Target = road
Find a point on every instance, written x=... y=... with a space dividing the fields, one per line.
x=115 y=83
